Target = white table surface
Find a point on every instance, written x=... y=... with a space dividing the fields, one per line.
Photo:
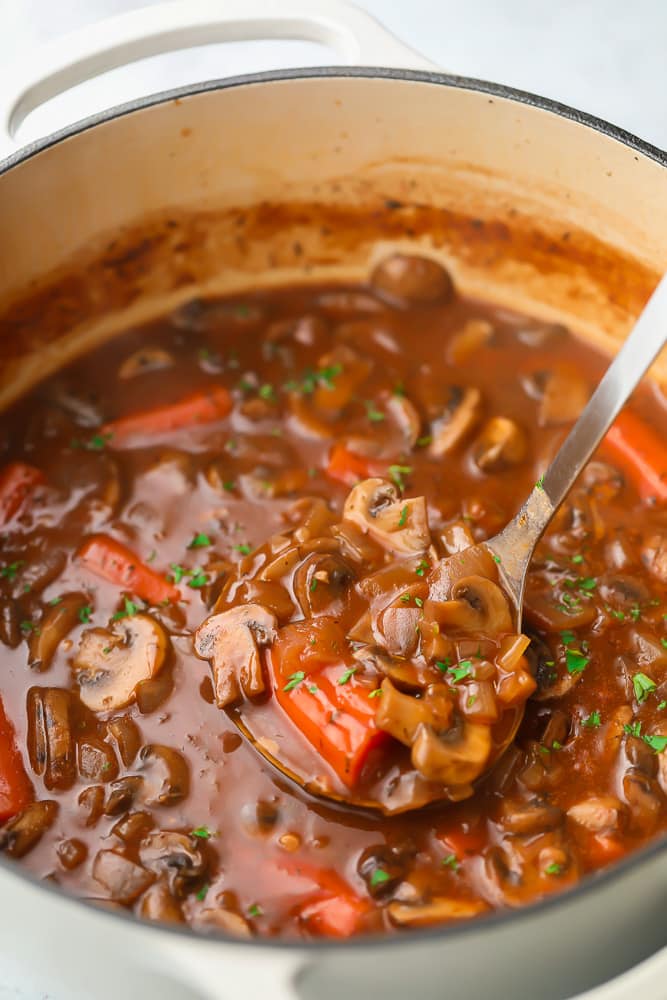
x=606 y=57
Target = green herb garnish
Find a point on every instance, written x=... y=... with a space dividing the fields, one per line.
x=294 y=680
x=199 y=541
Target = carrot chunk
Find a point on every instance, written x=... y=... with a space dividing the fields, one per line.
x=111 y=560
x=200 y=408
x=348 y=467
x=641 y=453
x=15 y=788
x=17 y=481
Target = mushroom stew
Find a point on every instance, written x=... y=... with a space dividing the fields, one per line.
x=256 y=516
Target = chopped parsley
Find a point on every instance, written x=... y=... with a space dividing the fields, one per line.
x=419 y=602
x=472 y=698
x=201 y=894
x=656 y=743
x=129 y=609
x=397 y=474
x=28 y=627
x=198 y=579
x=422 y=442
x=9 y=572
x=379 y=877
x=375 y=693
x=587 y=583
x=405 y=598
x=244 y=549
x=577 y=559
x=539 y=485
x=398 y=390
x=345 y=677
x=229 y=485
x=451 y=861
x=266 y=391
x=633 y=729
x=496 y=559
x=255 y=910
x=553 y=869
x=202 y=832
x=313 y=584
x=294 y=680
x=464 y=669
x=374 y=415
x=643 y=686
x=312 y=688
x=575 y=661
x=84 y=614
x=422 y=567
x=592 y=721
x=662 y=705
x=178 y=572
x=403 y=518
x=54 y=601
x=151 y=557
x=567 y=637
x=443 y=665
x=199 y=541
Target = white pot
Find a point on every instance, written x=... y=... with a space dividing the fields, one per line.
x=570 y=221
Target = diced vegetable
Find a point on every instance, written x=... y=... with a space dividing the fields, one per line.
x=641 y=453
x=315 y=685
x=111 y=560
x=17 y=481
x=335 y=916
x=349 y=468
x=199 y=408
x=15 y=787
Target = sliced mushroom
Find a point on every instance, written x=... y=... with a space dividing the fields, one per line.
x=457 y=757
x=501 y=444
x=111 y=662
x=599 y=813
x=436 y=911
x=321 y=584
x=231 y=641
x=10 y=622
x=96 y=760
x=174 y=855
x=404 y=674
x=71 y=852
x=474 y=334
x=404 y=716
x=654 y=555
x=219 y=918
x=643 y=795
x=405 y=415
x=50 y=742
x=24 y=831
x=123 y=879
x=529 y=817
x=158 y=904
x=146 y=359
x=564 y=395
x=462 y=413
x=408 y=279
x=400 y=526
x=57 y=622
x=124 y=733
x=476 y=605
x=397 y=628
x=456 y=537
x=167 y=775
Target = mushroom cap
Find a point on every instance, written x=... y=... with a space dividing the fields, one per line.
x=229 y=641
x=399 y=525
x=111 y=662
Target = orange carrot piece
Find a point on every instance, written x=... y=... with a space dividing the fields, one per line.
x=641 y=453
x=200 y=408
x=348 y=467
x=15 y=788
x=17 y=481
x=335 y=916
x=111 y=560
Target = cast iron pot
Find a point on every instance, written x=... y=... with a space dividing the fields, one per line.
x=305 y=175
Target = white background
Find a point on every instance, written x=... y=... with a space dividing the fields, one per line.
x=607 y=57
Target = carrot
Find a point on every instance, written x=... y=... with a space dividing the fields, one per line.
x=17 y=481
x=463 y=842
x=15 y=788
x=335 y=916
x=348 y=467
x=200 y=408
x=111 y=560
x=641 y=453
x=315 y=685
x=604 y=849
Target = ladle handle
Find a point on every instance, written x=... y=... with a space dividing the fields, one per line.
x=514 y=546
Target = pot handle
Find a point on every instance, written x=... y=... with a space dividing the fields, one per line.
x=356 y=37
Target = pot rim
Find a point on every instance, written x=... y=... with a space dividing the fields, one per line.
x=376 y=941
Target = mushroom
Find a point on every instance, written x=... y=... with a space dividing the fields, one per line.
x=530 y=817
x=25 y=830
x=71 y=852
x=408 y=279
x=654 y=555
x=50 y=742
x=96 y=760
x=456 y=757
x=404 y=716
x=462 y=412
x=158 y=904
x=123 y=879
x=168 y=780
x=436 y=911
x=174 y=854
x=405 y=416
x=230 y=641
x=10 y=623
x=111 y=662
x=400 y=526
x=643 y=795
x=474 y=334
x=404 y=674
x=564 y=395
x=599 y=813
x=339 y=375
x=146 y=359
x=321 y=584
x=476 y=605
x=397 y=626
x=219 y=918
x=501 y=444
x=57 y=622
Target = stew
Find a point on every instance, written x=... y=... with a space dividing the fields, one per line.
x=256 y=517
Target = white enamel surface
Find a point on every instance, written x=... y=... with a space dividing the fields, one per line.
x=318 y=130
